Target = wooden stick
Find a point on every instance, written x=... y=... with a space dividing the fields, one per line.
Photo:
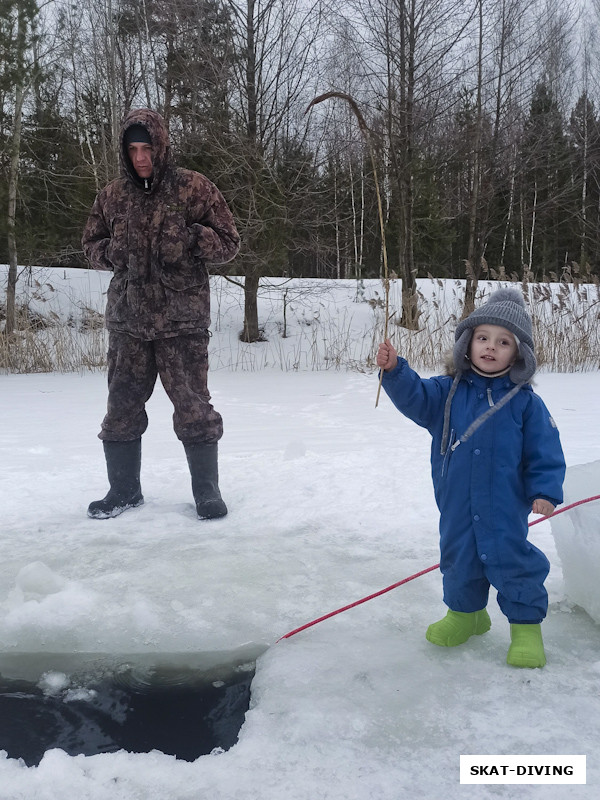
x=365 y=132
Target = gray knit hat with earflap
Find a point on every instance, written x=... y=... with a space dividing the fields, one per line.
x=506 y=308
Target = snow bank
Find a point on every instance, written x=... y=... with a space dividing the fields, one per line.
x=306 y=323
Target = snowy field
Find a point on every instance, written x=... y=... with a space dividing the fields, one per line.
x=330 y=500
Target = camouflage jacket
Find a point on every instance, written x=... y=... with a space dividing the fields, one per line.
x=157 y=237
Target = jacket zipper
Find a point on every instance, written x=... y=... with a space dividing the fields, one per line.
x=452 y=445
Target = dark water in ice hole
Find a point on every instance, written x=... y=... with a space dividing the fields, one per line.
x=92 y=704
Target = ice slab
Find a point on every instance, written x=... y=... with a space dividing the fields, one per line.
x=577 y=537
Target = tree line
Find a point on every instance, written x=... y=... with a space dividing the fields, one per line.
x=481 y=124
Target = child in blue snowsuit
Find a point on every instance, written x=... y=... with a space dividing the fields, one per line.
x=495 y=457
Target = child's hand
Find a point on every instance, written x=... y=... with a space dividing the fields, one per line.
x=543 y=507
x=387 y=357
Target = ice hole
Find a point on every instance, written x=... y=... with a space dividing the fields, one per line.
x=182 y=704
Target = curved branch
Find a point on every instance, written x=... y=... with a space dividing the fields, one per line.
x=365 y=132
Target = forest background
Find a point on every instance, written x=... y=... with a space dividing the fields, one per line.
x=481 y=125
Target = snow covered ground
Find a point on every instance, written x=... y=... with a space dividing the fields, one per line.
x=330 y=500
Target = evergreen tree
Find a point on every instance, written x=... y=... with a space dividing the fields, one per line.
x=546 y=190
x=584 y=133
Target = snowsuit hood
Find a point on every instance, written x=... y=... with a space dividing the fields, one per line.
x=156 y=126
x=506 y=308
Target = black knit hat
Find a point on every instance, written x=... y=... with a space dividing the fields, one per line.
x=136 y=133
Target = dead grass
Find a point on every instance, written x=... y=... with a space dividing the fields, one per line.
x=566 y=324
x=46 y=343
x=565 y=318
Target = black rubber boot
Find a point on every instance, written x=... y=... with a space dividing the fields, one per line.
x=203 y=463
x=123 y=463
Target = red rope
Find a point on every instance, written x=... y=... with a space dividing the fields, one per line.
x=416 y=575
x=358 y=602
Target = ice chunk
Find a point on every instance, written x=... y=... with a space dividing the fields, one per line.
x=53 y=683
x=577 y=537
x=294 y=449
x=37 y=579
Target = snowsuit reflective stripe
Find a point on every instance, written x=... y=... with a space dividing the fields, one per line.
x=485 y=487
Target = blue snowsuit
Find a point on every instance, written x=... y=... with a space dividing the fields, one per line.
x=485 y=487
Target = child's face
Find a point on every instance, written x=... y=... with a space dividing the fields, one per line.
x=493 y=348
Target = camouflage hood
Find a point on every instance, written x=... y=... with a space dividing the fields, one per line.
x=158 y=240
x=161 y=151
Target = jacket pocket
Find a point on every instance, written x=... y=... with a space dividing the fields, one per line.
x=184 y=279
x=187 y=297
x=184 y=276
x=117 y=251
x=116 y=299
x=177 y=267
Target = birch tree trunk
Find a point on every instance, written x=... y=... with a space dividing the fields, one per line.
x=532 y=231
x=11 y=219
x=338 y=255
x=13 y=175
x=474 y=250
x=509 y=213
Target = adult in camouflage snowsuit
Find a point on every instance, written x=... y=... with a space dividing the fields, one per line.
x=157 y=228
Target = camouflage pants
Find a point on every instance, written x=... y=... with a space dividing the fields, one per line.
x=182 y=363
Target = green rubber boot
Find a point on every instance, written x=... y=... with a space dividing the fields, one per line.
x=457 y=627
x=526 y=646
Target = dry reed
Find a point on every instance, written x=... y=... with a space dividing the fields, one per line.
x=324 y=335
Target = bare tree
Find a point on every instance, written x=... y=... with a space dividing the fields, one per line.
x=19 y=29
x=273 y=44
x=345 y=144
x=515 y=42
x=413 y=46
